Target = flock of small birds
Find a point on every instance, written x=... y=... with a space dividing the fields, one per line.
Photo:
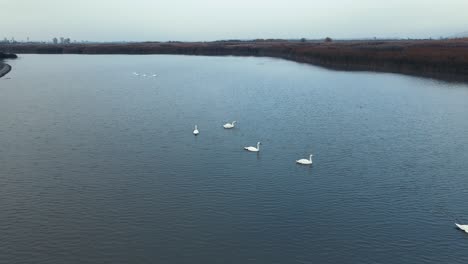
x=257 y=148
x=145 y=74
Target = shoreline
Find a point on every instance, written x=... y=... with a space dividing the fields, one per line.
x=4 y=69
x=438 y=59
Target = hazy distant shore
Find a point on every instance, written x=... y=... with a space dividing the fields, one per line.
x=442 y=59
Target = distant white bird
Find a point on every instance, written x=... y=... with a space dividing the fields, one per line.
x=136 y=74
x=305 y=161
x=253 y=149
x=230 y=125
x=195 y=132
x=154 y=75
x=462 y=227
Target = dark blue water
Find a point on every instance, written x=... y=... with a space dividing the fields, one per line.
x=98 y=165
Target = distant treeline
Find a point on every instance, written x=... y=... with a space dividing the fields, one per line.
x=436 y=58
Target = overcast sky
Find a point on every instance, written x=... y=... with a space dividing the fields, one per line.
x=139 y=20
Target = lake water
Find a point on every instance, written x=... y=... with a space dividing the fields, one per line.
x=98 y=165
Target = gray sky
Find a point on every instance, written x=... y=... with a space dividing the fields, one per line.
x=137 y=20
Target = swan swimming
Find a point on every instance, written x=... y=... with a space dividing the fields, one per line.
x=253 y=149
x=462 y=227
x=195 y=132
x=305 y=161
x=230 y=125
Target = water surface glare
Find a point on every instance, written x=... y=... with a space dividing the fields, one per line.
x=99 y=165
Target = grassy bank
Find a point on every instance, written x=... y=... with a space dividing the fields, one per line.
x=4 y=69
x=7 y=55
x=444 y=59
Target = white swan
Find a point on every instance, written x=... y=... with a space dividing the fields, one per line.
x=195 y=132
x=253 y=149
x=230 y=125
x=462 y=227
x=305 y=161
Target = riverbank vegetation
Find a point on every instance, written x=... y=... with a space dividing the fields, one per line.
x=446 y=58
x=7 y=56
